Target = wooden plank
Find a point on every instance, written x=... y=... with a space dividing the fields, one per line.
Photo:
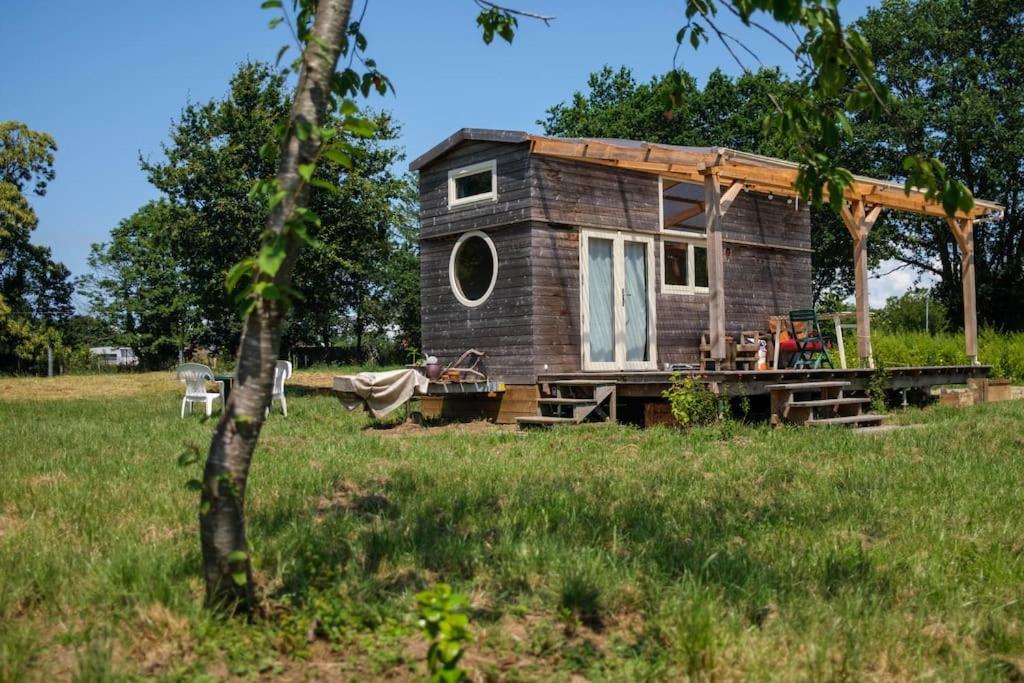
x=716 y=267
x=859 y=226
x=685 y=214
x=963 y=231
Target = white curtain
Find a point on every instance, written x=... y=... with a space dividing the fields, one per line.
x=635 y=256
x=601 y=293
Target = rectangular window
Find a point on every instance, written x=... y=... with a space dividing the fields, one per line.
x=684 y=266
x=700 y=267
x=471 y=184
x=677 y=271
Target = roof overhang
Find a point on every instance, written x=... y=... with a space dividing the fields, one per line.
x=692 y=164
x=756 y=172
x=464 y=134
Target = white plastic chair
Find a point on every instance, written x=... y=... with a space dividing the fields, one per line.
x=282 y=372
x=195 y=377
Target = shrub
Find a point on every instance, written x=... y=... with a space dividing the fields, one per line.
x=1004 y=351
x=693 y=404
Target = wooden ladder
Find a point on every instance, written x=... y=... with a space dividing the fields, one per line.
x=819 y=404
x=573 y=402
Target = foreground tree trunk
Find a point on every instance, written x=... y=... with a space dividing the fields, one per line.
x=227 y=568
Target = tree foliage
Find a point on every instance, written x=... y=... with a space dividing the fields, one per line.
x=956 y=72
x=161 y=277
x=35 y=290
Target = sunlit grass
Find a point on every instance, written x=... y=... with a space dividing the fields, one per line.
x=605 y=551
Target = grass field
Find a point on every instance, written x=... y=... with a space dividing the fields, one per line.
x=604 y=552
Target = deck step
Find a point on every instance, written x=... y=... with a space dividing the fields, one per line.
x=807 y=386
x=852 y=420
x=827 y=402
x=556 y=401
x=583 y=382
x=545 y=420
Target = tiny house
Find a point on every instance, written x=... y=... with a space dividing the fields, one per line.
x=560 y=257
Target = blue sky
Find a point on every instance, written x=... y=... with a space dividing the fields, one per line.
x=106 y=79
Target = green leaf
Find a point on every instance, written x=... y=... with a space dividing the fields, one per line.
x=272 y=255
x=271 y=4
x=188 y=457
x=280 y=53
x=326 y=185
x=239 y=578
x=238 y=556
x=238 y=271
x=359 y=126
x=272 y=24
x=306 y=171
x=333 y=153
x=194 y=485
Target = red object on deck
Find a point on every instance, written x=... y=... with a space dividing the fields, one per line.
x=789 y=346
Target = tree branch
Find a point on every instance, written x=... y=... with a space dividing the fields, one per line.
x=486 y=4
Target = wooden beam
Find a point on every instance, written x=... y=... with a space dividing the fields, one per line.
x=963 y=231
x=716 y=267
x=859 y=226
x=685 y=214
x=729 y=196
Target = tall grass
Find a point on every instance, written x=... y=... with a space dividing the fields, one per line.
x=603 y=551
x=1003 y=351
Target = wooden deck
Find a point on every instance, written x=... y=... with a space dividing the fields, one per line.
x=650 y=384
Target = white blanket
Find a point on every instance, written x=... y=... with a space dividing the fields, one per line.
x=380 y=392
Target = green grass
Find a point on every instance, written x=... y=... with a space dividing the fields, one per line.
x=603 y=551
x=1004 y=351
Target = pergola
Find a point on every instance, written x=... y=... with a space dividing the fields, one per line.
x=726 y=172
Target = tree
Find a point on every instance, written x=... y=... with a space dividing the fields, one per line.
x=35 y=290
x=914 y=311
x=956 y=71
x=138 y=288
x=323 y=32
x=226 y=565
x=216 y=153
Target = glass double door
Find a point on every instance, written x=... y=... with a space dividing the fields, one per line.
x=617 y=301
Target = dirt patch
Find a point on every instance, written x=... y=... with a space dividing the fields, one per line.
x=69 y=387
x=9 y=525
x=349 y=496
x=47 y=479
x=413 y=429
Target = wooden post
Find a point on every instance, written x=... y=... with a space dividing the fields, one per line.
x=716 y=204
x=963 y=231
x=859 y=224
x=716 y=266
x=839 y=339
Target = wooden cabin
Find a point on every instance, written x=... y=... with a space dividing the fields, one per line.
x=591 y=257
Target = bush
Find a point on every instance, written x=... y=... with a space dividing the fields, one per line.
x=693 y=404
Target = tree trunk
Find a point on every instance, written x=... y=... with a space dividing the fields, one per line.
x=227 y=569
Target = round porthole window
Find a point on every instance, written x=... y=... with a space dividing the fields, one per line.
x=473 y=268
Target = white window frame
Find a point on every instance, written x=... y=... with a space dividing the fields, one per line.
x=490 y=165
x=618 y=239
x=454 y=283
x=691 y=240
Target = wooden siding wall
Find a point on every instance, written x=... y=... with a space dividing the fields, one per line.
x=514 y=191
x=501 y=327
x=530 y=325
x=555 y=261
x=591 y=196
x=760 y=281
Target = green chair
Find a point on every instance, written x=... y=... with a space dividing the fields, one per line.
x=811 y=350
